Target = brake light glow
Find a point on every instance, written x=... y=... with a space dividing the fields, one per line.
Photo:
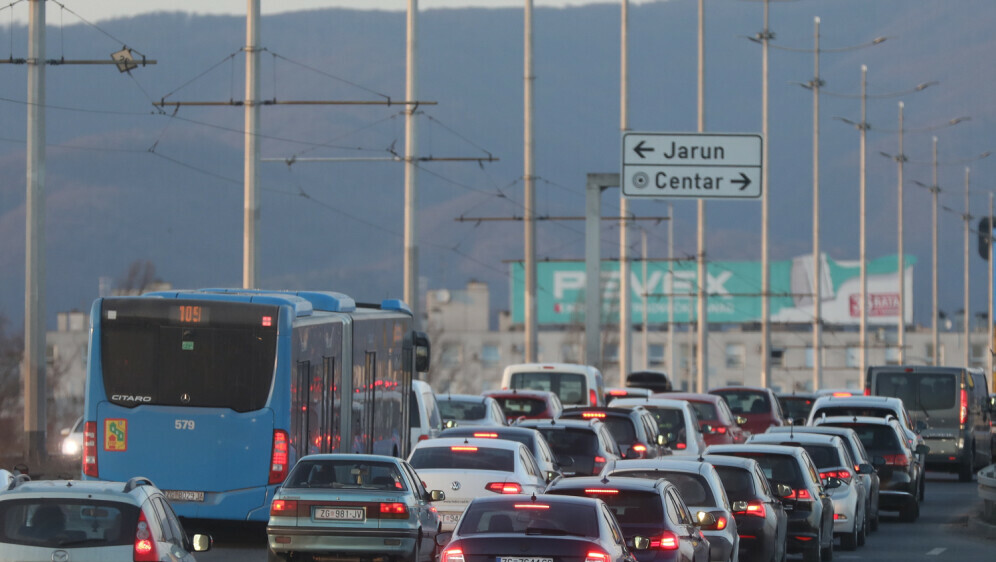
x=617 y=393
x=145 y=545
x=680 y=446
x=531 y=506
x=842 y=394
x=600 y=491
x=639 y=448
x=503 y=487
x=667 y=541
x=90 y=449
x=592 y=397
x=282 y=507
x=278 y=457
x=868 y=391
x=596 y=556
x=590 y=415
x=394 y=510
x=599 y=464
x=843 y=474
x=486 y=435
x=423 y=437
x=452 y=555
x=721 y=429
x=755 y=508
x=802 y=494
x=963 y=410
x=899 y=460
x=463 y=449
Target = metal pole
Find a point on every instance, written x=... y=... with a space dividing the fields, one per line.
x=530 y=194
x=765 y=220
x=901 y=327
x=703 y=320
x=935 y=190
x=670 y=289
x=862 y=211
x=33 y=367
x=251 y=157
x=817 y=297
x=968 y=332
x=593 y=269
x=646 y=320
x=989 y=316
x=411 y=170
x=625 y=289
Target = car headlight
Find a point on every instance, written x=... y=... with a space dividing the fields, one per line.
x=70 y=447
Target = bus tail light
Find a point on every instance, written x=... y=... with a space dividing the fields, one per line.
x=145 y=543
x=90 y=449
x=278 y=458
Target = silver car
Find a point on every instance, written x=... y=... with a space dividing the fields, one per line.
x=676 y=421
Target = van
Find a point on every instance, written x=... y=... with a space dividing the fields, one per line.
x=953 y=405
x=575 y=385
x=423 y=413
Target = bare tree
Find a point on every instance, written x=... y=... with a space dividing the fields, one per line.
x=11 y=408
x=140 y=275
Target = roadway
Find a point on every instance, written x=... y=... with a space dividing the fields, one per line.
x=941 y=532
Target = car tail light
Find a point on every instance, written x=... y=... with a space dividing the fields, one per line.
x=394 y=510
x=617 y=393
x=666 y=541
x=592 y=397
x=423 y=437
x=755 y=508
x=720 y=523
x=868 y=391
x=283 y=507
x=452 y=555
x=600 y=491
x=963 y=411
x=640 y=448
x=897 y=461
x=599 y=465
x=145 y=543
x=842 y=394
x=590 y=415
x=680 y=446
x=800 y=495
x=596 y=556
x=486 y=435
x=278 y=458
x=463 y=449
x=720 y=429
x=842 y=474
x=531 y=506
x=503 y=487
x=90 y=449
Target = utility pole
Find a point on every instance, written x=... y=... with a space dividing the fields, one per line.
x=817 y=261
x=529 y=192
x=625 y=289
x=411 y=294
x=251 y=147
x=765 y=37
x=989 y=315
x=862 y=211
x=670 y=288
x=935 y=190
x=33 y=364
x=703 y=306
x=968 y=316
x=901 y=328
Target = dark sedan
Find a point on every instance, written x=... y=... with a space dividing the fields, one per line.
x=757 y=509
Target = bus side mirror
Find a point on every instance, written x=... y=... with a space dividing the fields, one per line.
x=416 y=346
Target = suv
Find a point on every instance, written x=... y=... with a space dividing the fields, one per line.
x=758 y=404
x=953 y=404
x=583 y=447
x=634 y=429
x=63 y=519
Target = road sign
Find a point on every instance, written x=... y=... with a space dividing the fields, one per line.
x=691 y=165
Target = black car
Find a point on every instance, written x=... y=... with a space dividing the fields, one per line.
x=761 y=520
x=655 y=381
x=809 y=508
x=643 y=507
x=899 y=472
x=634 y=429
x=796 y=406
x=582 y=447
x=543 y=527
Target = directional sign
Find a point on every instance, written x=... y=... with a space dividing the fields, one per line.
x=692 y=165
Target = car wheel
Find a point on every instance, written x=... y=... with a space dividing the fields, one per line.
x=863 y=533
x=965 y=470
x=276 y=556
x=827 y=552
x=814 y=554
x=414 y=556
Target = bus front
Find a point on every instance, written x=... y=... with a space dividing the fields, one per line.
x=185 y=391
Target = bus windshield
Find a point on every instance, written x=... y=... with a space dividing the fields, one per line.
x=188 y=353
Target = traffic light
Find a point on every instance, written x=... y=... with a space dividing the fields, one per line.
x=985 y=235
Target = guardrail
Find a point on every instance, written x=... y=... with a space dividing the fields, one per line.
x=987 y=491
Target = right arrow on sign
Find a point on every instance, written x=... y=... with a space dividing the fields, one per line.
x=744 y=181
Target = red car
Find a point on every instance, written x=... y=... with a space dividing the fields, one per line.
x=719 y=425
x=527 y=404
x=758 y=404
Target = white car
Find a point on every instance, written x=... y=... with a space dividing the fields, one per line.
x=468 y=468
x=72 y=440
x=701 y=488
x=832 y=459
x=426 y=422
x=676 y=421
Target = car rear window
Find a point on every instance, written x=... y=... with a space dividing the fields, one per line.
x=704 y=411
x=515 y=406
x=869 y=411
x=631 y=507
x=796 y=406
x=345 y=474
x=746 y=401
x=929 y=391
x=670 y=423
x=824 y=456
x=464 y=458
x=527 y=517
x=67 y=522
x=780 y=469
x=570 y=441
x=694 y=488
x=460 y=410
x=491 y=433
x=738 y=482
x=876 y=438
x=621 y=428
x=571 y=388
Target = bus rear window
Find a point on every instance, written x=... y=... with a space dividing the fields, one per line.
x=151 y=356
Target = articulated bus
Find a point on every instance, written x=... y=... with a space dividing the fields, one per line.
x=214 y=394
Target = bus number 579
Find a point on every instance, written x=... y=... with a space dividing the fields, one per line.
x=183 y=424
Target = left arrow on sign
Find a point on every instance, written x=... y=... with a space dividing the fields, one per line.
x=639 y=149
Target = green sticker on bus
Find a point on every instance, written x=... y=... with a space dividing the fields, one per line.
x=188 y=346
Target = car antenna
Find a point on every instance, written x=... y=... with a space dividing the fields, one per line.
x=605 y=479
x=533 y=497
x=465 y=441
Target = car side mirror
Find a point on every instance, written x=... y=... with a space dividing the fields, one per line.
x=920 y=426
x=708 y=429
x=739 y=506
x=641 y=543
x=833 y=482
x=449 y=424
x=866 y=468
x=442 y=539
x=704 y=519
x=741 y=420
x=64 y=432
x=922 y=449
x=661 y=440
x=783 y=490
x=437 y=496
x=202 y=543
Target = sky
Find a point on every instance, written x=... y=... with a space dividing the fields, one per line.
x=97 y=10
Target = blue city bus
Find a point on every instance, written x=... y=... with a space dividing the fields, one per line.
x=214 y=394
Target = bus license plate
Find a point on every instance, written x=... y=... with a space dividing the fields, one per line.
x=340 y=513
x=183 y=495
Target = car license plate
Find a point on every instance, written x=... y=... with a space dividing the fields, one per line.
x=449 y=517
x=523 y=559
x=183 y=495
x=340 y=513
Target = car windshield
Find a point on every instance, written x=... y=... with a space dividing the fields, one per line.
x=926 y=391
x=631 y=507
x=694 y=488
x=515 y=406
x=704 y=411
x=345 y=474
x=746 y=401
x=67 y=522
x=571 y=388
x=461 y=410
x=570 y=441
x=738 y=482
x=529 y=518
x=464 y=457
x=670 y=423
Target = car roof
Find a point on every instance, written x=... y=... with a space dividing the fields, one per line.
x=96 y=489
x=759 y=389
x=754 y=448
x=852 y=419
x=808 y=438
x=348 y=457
x=519 y=392
x=469 y=430
x=694 y=396
x=887 y=401
x=607 y=409
x=662 y=463
x=545 y=498
x=800 y=395
x=461 y=397
x=726 y=460
x=622 y=483
x=552 y=367
x=560 y=422
x=657 y=402
x=477 y=442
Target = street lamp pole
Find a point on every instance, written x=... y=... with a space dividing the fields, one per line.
x=817 y=321
x=901 y=328
x=968 y=333
x=765 y=37
x=862 y=185
x=935 y=190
